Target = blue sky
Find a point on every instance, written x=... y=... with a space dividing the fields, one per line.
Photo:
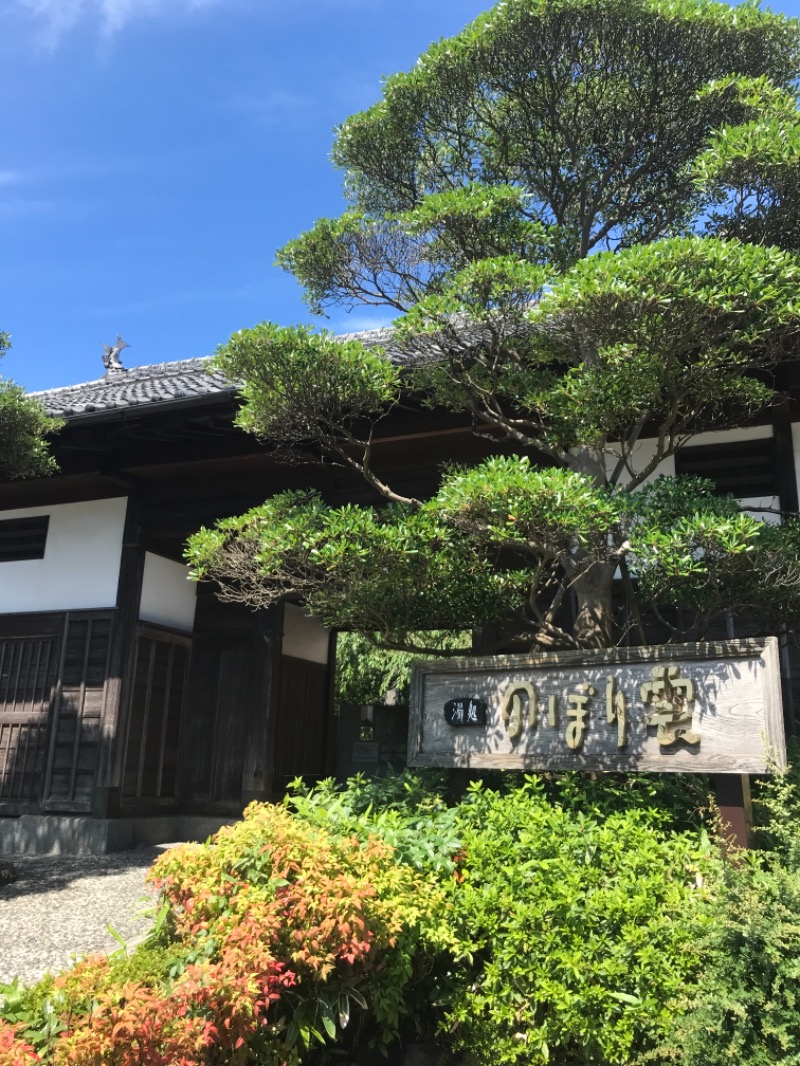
x=156 y=153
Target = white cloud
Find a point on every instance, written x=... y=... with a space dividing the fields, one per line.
x=360 y=320
x=58 y=16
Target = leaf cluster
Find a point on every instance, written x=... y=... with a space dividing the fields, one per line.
x=24 y=429
x=299 y=384
x=576 y=929
x=674 y=334
x=749 y=172
x=389 y=571
x=744 y=1009
x=505 y=540
x=366 y=673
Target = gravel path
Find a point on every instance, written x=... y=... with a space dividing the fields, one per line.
x=59 y=906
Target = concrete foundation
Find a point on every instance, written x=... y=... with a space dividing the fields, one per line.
x=64 y=834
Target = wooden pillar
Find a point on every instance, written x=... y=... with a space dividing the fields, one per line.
x=331 y=720
x=735 y=808
x=120 y=667
x=787 y=483
x=785 y=467
x=267 y=724
x=257 y=764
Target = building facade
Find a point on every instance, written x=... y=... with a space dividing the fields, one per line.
x=134 y=705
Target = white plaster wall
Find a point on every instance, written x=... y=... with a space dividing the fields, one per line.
x=304 y=637
x=80 y=568
x=169 y=598
x=764 y=508
x=725 y=436
x=643 y=451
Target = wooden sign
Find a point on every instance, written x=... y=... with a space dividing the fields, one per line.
x=696 y=708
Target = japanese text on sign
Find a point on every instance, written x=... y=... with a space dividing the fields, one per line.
x=667 y=697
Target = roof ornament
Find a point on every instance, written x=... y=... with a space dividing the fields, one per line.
x=111 y=360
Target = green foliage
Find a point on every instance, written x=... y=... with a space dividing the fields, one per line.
x=673 y=801
x=578 y=930
x=445 y=233
x=744 y=1009
x=477 y=222
x=500 y=541
x=366 y=673
x=407 y=811
x=750 y=171
x=506 y=501
x=693 y=549
x=280 y=935
x=298 y=382
x=594 y=109
x=389 y=571
x=42 y=1012
x=494 y=293
x=571 y=204
x=552 y=919
x=24 y=429
x=675 y=329
x=572 y=906
x=33 y=1013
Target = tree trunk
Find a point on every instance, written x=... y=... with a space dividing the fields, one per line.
x=594 y=623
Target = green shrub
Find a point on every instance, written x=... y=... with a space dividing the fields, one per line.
x=745 y=1008
x=407 y=811
x=573 y=903
x=551 y=919
x=574 y=932
x=366 y=673
x=277 y=939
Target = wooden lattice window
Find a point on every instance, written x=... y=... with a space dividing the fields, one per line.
x=23 y=538
x=27 y=680
x=743 y=468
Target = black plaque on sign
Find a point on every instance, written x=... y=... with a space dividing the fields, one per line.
x=467 y=711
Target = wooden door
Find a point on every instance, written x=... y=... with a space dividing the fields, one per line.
x=215 y=735
x=154 y=722
x=301 y=731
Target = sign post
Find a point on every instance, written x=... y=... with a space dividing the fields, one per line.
x=691 y=708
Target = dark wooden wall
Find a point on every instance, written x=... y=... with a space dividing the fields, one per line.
x=53 y=674
x=256 y=719
x=210 y=722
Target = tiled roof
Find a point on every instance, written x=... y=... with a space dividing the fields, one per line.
x=163 y=383
x=137 y=387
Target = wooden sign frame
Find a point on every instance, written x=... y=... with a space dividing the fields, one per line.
x=696 y=708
